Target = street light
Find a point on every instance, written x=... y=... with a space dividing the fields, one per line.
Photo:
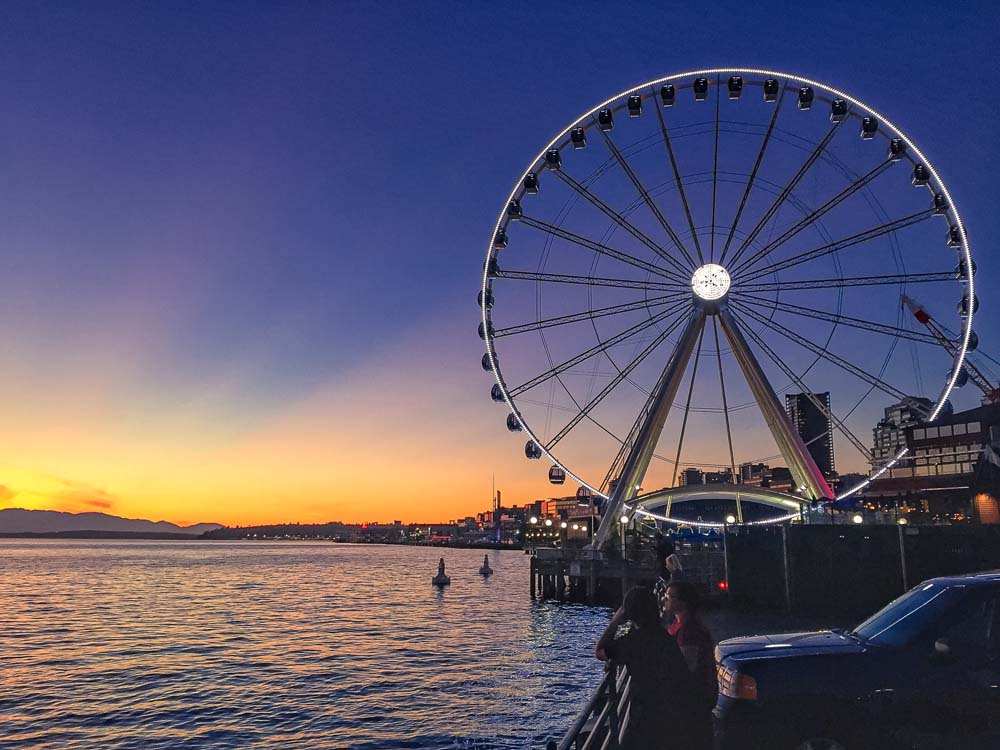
x=576 y=526
x=563 y=525
x=624 y=519
x=548 y=521
x=730 y=519
x=533 y=520
x=857 y=518
x=903 y=522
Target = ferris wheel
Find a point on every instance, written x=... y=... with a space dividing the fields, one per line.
x=688 y=251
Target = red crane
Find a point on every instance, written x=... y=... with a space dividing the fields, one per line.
x=991 y=395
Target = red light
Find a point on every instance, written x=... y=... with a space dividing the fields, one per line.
x=723 y=585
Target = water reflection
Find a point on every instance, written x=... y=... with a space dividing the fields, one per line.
x=240 y=645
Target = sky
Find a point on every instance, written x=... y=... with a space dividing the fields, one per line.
x=242 y=242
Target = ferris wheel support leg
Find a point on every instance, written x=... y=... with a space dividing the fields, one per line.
x=803 y=468
x=642 y=449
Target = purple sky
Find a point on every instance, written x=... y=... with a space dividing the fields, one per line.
x=218 y=210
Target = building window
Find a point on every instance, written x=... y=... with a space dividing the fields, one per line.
x=960 y=429
x=932 y=432
x=919 y=434
x=946 y=430
x=974 y=427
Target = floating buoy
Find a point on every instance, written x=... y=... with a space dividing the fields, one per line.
x=486 y=570
x=441 y=579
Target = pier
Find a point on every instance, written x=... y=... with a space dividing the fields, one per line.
x=601 y=577
x=808 y=569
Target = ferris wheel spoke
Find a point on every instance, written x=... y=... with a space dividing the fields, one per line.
x=620 y=220
x=589 y=314
x=785 y=192
x=715 y=170
x=680 y=184
x=832 y=247
x=616 y=466
x=564 y=278
x=597 y=247
x=824 y=353
x=687 y=411
x=601 y=347
x=614 y=383
x=810 y=312
x=814 y=216
x=839 y=424
x=634 y=178
x=846 y=282
x=753 y=176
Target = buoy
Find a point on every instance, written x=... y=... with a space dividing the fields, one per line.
x=441 y=579
x=486 y=570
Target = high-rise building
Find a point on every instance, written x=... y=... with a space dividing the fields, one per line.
x=889 y=435
x=814 y=427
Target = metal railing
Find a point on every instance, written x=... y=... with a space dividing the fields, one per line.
x=601 y=724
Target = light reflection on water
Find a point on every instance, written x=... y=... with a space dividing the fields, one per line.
x=281 y=645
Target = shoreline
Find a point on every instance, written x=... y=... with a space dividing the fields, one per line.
x=166 y=535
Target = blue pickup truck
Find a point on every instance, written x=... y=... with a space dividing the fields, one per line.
x=922 y=674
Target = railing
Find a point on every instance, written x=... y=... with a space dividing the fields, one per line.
x=602 y=722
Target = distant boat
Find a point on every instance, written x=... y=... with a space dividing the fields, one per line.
x=441 y=579
x=486 y=570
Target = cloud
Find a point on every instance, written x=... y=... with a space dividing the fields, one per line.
x=40 y=491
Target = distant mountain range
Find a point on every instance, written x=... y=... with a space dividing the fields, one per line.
x=21 y=521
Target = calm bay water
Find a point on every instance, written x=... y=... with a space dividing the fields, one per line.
x=281 y=645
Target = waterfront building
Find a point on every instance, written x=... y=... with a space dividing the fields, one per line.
x=814 y=427
x=849 y=480
x=724 y=476
x=559 y=507
x=780 y=478
x=754 y=474
x=691 y=476
x=889 y=435
x=951 y=470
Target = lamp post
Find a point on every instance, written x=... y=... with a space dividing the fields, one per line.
x=623 y=523
x=730 y=519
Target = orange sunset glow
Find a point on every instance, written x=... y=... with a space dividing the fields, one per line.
x=371 y=446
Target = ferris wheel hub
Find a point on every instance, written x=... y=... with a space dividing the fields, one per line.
x=710 y=282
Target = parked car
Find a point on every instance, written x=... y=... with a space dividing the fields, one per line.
x=922 y=673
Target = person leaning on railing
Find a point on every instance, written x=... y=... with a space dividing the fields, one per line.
x=662 y=685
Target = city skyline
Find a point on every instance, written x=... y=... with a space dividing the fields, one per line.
x=238 y=291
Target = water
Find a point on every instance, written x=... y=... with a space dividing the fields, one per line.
x=281 y=645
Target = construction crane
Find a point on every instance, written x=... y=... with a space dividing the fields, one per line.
x=946 y=339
